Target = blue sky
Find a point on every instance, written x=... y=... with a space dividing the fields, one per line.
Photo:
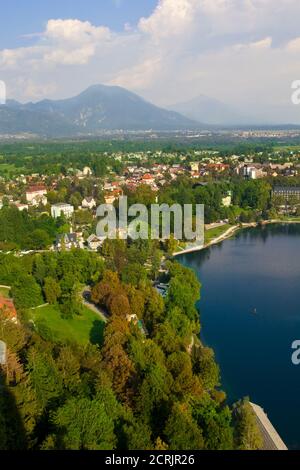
x=25 y=17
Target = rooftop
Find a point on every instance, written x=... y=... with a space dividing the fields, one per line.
x=7 y=305
x=62 y=204
x=36 y=189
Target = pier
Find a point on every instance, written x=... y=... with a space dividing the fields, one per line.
x=271 y=438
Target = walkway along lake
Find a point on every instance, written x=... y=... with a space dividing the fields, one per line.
x=250 y=316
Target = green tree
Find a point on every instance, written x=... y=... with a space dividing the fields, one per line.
x=38 y=240
x=181 y=430
x=52 y=290
x=247 y=432
x=26 y=292
x=83 y=424
x=205 y=366
x=45 y=377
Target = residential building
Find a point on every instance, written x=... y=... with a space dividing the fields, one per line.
x=21 y=207
x=195 y=167
x=287 y=192
x=8 y=309
x=88 y=203
x=3 y=353
x=227 y=200
x=87 y=171
x=252 y=172
x=57 y=210
x=66 y=241
x=94 y=242
x=110 y=198
x=36 y=195
x=147 y=179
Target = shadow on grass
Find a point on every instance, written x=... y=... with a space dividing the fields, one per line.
x=97 y=332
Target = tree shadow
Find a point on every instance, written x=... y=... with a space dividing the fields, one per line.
x=97 y=332
x=12 y=431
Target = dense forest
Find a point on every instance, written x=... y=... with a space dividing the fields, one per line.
x=149 y=383
x=53 y=157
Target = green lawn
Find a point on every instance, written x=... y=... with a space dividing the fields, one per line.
x=215 y=232
x=4 y=292
x=79 y=329
x=6 y=168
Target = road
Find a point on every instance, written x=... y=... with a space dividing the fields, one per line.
x=86 y=300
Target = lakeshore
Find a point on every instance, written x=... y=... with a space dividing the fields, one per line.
x=254 y=350
x=231 y=231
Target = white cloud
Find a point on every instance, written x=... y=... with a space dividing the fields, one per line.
x=265 y=43
x=170 y=18
x=294 y=45
x=235 y=50
x=75 y=31
x=140 y=76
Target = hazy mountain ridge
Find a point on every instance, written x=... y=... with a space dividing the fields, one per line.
x=211 y=111
x=98 y=108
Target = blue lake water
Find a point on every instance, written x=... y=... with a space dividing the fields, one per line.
x=250 y=316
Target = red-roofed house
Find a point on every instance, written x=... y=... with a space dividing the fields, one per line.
x=148 y=179
x=36 y=195
x=8 y=308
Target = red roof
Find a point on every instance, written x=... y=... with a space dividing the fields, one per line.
x=8 y=308
x=218 y=166
x=37 y=188
x=147 y=176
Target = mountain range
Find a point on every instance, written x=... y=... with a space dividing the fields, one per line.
x=211 y=111
x=97 y=109
x=103 y=108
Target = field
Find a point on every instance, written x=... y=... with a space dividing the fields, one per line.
x=215 y=232
x=7 y=169
x=4 y=292
x=79 y=329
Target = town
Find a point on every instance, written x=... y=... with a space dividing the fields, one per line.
x=71 y=195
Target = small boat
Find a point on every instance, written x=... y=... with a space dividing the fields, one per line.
x=254 y=311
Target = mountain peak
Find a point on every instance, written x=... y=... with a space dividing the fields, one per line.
x=98 y=108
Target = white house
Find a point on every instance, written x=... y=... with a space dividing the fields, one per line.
x=21 y=207
x=57 y=210
x=195 y=166
x=87 y=171
x=110 y=198
x=88 y=203
x=67 y=241
x=227 y=200
x=36 y=195
x=94 y=242
x=3 y=353
x=148 y=179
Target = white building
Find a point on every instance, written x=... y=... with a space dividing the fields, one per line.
x=94 y=242
x=36 y=195
x=21 y=207
x=67 y=241
x=88 y=203
x=57 y=210
x=87 y=171
x=195 y=166
x=227 y=200
x=110 y=198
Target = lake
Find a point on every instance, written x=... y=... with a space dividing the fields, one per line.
x=250 y=316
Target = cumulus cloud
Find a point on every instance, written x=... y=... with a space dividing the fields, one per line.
x=75 y=31
x=170 y=18
x=234 y=50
